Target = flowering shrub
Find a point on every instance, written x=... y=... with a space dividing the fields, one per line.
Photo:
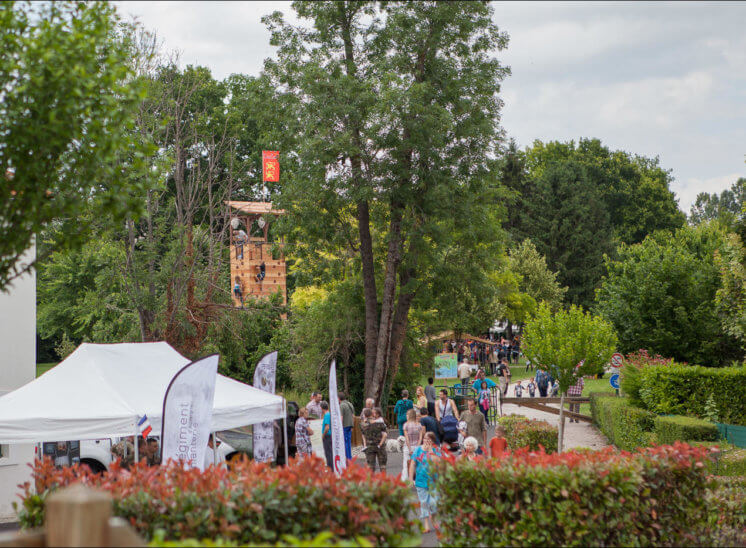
x=634 y=363
x=726 y=504
x=521 y=432
x=251 y=503
x=610 y=498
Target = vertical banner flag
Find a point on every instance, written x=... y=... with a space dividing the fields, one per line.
x=187 y=412
x=271 y=166
x=264 y=433
x=338 y=439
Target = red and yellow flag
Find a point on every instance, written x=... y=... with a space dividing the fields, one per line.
x=271 y=166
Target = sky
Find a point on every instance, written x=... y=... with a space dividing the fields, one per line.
x=665 y=79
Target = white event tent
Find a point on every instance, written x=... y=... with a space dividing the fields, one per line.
x=101 y=391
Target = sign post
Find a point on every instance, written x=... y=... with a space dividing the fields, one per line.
x=614 y=382
x=446 y=366
x=617 y=360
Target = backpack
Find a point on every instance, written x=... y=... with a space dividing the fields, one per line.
x=542 y=380
x=450 y=428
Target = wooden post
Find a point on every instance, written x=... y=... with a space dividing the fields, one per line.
x=78 y=516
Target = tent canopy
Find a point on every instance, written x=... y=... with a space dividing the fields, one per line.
x=101 y=391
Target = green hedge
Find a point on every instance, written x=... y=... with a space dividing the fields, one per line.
x=685 y=389
x=522 y=432
x=626 y=426
x=593 y=498
x=676 y=428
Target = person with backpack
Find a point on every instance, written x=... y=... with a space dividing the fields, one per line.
x=445 y=407
x=542 y=381
x=401 y=408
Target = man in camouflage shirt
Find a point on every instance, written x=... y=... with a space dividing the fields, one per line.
x=125 y=450
x=375 y=434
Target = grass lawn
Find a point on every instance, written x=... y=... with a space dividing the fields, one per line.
x=42 y=368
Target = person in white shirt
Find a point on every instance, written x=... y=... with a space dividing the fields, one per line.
x=210 y=454
x=464 y=372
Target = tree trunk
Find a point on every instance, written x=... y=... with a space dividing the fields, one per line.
x=561 y=432
x=401 y=319
x=393 y=259
x=369 y=291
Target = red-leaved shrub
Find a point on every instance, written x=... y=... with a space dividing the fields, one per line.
x=251 y=502
x=654 y=496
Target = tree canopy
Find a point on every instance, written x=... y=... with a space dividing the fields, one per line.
x=660 y=295
x=578 y=201
x=395 y=111
x=68 y=105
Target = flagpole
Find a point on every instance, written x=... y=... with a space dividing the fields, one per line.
x=285 y=427
x=137 y=452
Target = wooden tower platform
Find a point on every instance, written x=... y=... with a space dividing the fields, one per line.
x=258 y=250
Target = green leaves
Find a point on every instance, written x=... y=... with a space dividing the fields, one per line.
x=660 y=295
x=562 y=340
x=68 y=104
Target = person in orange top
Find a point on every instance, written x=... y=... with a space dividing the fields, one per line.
x=498 y=444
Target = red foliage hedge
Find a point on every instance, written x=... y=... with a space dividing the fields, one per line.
x=580 y=498
x=250 y=503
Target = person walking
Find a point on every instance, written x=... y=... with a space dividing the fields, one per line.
x=303 y=433
x=429 y=422
x=575 y=391
x=502 y=377
x=476 y=425
x=493 y=360
x=421 y=398
x=498 y=444
x=445 y=407
x=348 y=421
x=484 y=400
x=419 y=474
x=375 y=435
x=401 y=408
x=314 y=406
x=431 y=396
x=326 y=434
x=413 y=432
x=464 y=372
x=542 y=381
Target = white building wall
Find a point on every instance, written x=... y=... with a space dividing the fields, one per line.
x=17 y=367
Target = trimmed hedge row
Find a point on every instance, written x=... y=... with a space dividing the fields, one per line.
x=590 y=498
x=522 y=432
x=685 y=389
x=250 y=503
x=626 y=426
x=676 y=428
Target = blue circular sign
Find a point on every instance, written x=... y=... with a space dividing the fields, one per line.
x=614 y=381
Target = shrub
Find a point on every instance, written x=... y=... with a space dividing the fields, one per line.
x=626 y=426
x=522 y=432
x=602 y=498
x=322 y=540
x=677 y=428
x=685 y=390
x=251 y=503
x=726 y=514
x=631 y=380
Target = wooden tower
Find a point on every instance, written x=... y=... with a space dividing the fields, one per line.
x=257 y=251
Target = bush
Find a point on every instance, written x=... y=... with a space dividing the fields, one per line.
x=626 y=426
x=726 y=514
x=602 y=498
x=631 y=379
x=522 y=432
x=251 y=503
x=322 y=540
x=677 y=428
x=685 y=390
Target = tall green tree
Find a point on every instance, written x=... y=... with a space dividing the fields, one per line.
x=660 y=295
x=727 y=208
x=398 y=112
x=569 y=343
x=536 y=280
x=68 y=106
x=612 y=196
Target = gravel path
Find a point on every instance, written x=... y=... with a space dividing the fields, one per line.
x=577 y=434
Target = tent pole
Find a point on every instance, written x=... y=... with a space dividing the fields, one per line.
x=214 y=449
x=285 y=428
x=137 y=452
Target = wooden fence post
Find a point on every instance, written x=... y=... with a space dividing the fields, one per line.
x=78 y=516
